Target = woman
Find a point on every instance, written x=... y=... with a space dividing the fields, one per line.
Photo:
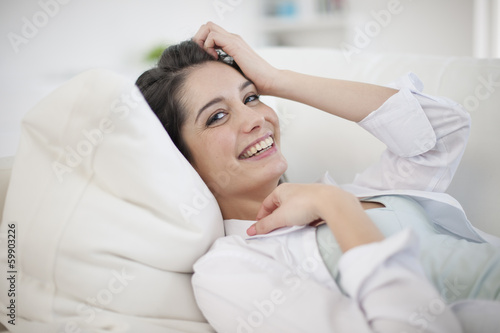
x=332 y=268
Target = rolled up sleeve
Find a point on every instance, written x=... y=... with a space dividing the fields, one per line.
x=389 y=284
x=425 y=138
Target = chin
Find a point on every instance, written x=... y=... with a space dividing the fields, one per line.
x=277 y=171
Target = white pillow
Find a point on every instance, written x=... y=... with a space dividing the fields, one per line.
x=109 y=216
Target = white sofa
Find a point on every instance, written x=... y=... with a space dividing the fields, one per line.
x=62 y=264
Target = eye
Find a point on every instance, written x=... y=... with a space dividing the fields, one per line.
x=251 y=98
x=216 y=117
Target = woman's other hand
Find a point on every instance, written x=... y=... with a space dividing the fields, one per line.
x=289 y=205
x=303 y=204
x=210 y=37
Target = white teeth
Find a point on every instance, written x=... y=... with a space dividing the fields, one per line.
x=258 y=147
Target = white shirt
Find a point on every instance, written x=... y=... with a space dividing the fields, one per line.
x=278 y=283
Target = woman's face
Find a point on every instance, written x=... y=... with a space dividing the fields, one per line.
x=232 y=136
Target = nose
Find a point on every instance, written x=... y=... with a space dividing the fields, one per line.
x=251 y=119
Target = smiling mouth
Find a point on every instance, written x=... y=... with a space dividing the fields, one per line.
x=258 y=148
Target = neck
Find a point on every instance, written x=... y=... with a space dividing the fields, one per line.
x=246 y=205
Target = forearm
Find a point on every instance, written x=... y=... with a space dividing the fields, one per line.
x=347 y=99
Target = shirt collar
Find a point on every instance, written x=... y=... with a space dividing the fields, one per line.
x=239 y=227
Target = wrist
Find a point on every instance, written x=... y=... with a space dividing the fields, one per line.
x=328 y=200
x=276 y=83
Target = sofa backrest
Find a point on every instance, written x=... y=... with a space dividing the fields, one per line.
x=315 y=142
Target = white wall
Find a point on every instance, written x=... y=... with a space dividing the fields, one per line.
x=83 y=34
x=486 y=28
x=438 y=27
x=116 y=34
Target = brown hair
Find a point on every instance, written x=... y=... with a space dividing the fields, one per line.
x=162 y=86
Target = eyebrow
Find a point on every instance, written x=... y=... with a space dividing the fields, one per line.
x=220 y=99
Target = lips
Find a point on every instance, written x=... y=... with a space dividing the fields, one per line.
x=257 y=147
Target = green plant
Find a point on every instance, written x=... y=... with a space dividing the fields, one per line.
x=155 y=53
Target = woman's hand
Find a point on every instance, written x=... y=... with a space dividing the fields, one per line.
x=303 y=204
x=211 y=37
x=289 y=205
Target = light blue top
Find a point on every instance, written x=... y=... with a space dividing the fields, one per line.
x=458 y=268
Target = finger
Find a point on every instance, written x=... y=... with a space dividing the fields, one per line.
x=269 y=223
x=210 y=45
x=217 y=28
x=269 y=205
x=201 y=35
x=203 y=32
x=225 y=41
x=252 y=231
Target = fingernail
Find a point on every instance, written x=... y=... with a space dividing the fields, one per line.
x=252 y=231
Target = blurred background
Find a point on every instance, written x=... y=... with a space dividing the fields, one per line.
x=46 y=42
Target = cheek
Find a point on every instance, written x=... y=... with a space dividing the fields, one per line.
x=213 y=151
x=272 y=117
x=215 y=162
